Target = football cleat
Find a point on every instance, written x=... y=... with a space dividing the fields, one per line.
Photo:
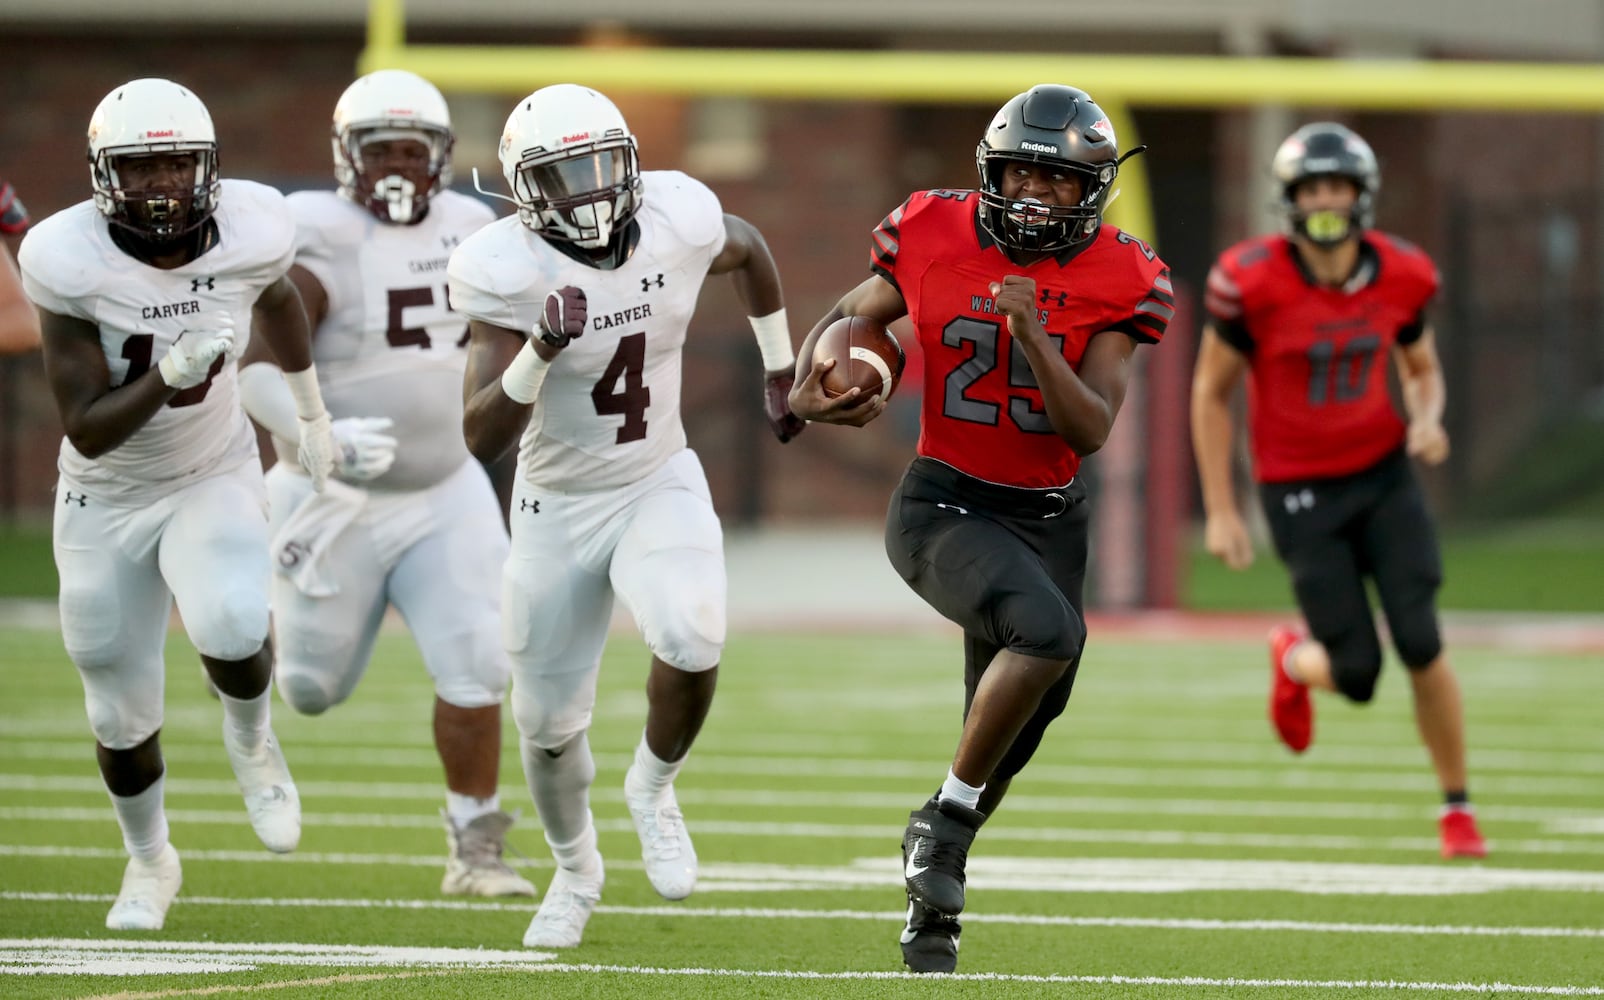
x=148 y=890
x=1460 y=838
x=566 y=908
x=271 y=801
x=930 y=940
x=474 y=866
x=1291 y=711
x=935 y=848
x=665 y=844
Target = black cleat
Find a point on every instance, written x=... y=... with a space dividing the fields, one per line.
x=930 y=940
x=934 y=850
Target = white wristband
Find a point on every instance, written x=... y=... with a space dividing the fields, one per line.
x=521 y=381
x=774 y=340
x=303 y=387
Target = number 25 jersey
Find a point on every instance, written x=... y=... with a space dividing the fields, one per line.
x=1318 y=401
x=983 y=412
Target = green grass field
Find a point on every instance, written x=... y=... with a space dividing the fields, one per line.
x=1161 y=844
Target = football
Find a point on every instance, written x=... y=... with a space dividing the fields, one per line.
x=867 y=356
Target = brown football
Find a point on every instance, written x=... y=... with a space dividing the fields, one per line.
x=867 y=356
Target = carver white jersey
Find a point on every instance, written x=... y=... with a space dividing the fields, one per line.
x=70 y=266
x=390 y=345
x=608 y=412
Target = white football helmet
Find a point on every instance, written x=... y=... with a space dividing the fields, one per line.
x=384 y=106
x=572 y=166
x=143 y=118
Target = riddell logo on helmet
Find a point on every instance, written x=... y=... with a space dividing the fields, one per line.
x=165 y=133
x=401 y=112
x=1038 y=147
x=576 y=137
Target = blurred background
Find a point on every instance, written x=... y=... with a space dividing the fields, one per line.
x=1504 y=192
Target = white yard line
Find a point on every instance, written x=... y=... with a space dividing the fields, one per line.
x=845 y=831
x=881 y=916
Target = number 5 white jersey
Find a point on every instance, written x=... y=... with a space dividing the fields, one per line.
x=608 y=412
x=71 y=267
x=390 y=344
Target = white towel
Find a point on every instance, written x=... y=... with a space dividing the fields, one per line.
x=301 y=546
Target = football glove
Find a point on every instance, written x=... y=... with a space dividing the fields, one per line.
x=317 y=448
x=189 y=361
x=777 y=404
x=364 y=450
x=563 y=316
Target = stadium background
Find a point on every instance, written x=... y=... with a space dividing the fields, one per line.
x=1506 y=198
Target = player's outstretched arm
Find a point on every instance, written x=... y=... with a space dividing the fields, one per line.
x=1425 y=396
x=279 y=318
x=491 y=419
x=1219 y=368
x=19 y=321
x=746 y=258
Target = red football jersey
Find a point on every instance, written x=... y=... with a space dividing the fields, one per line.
x=1318 y=403
x=982 y=411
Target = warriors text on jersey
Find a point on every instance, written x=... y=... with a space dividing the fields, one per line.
x=70 y=266
x=983 y=412
x=1318 y=400
x=608 y=412
x=390 y=345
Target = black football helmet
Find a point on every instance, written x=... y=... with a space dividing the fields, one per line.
x=1326 y=149
x=1056 y=125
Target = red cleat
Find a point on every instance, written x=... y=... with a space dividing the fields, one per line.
x=1460 y=838
x=1290 y=710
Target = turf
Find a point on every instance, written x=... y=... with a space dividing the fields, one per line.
x=1161 y=844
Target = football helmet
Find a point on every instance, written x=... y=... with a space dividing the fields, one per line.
x=385 y=106
x=1054 y=125
x=572 y=166
x=143 y=118
x=1326 y=149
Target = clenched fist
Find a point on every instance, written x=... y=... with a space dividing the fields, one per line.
x=563 y=316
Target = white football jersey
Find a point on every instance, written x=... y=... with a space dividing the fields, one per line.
x=71 y=266
x=390 y=345
x=608 y=412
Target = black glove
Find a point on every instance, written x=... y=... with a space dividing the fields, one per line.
x=777 y=406
x=563 y=317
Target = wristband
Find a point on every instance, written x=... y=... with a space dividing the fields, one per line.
x=774 y=340
x=304 y=390
x=521 y=381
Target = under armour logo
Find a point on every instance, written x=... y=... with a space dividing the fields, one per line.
x=646 y=283
x=1047 y=298
x=209 y=282
x=553 y=754
x=81 y=499
x=449 y=242
x=533 y=506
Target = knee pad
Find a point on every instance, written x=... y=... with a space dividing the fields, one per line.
x=120 y=722
x=232 y=627
x=1041 y=624
x=470 y=669
x=304 y=691
x=692 y=637
x=1355 y=666
x=1417 y=639
x=552 y=709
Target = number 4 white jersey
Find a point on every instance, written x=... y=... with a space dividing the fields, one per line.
x=608 y=412
x=70 y=266
x=390 y=344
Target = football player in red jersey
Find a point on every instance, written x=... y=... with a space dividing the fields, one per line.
x=1309 y=318
x=19 y=321
x=1028 y=309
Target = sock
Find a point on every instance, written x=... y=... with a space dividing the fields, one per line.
x=649 y=777
x=578 y=855
x=1457 y=800
x=560 y=786
x=955 y=789
x=464 y=809
x=143 y=821
x=246 y=721
x=1287 y=659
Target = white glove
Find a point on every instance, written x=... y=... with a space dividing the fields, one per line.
x=189 y=361
x=317 y=449
x=365 y=451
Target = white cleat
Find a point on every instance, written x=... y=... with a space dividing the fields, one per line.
x=475 y=866
x=271 y=801
x=570 y=899
x=665 y=845
x=148 y=890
